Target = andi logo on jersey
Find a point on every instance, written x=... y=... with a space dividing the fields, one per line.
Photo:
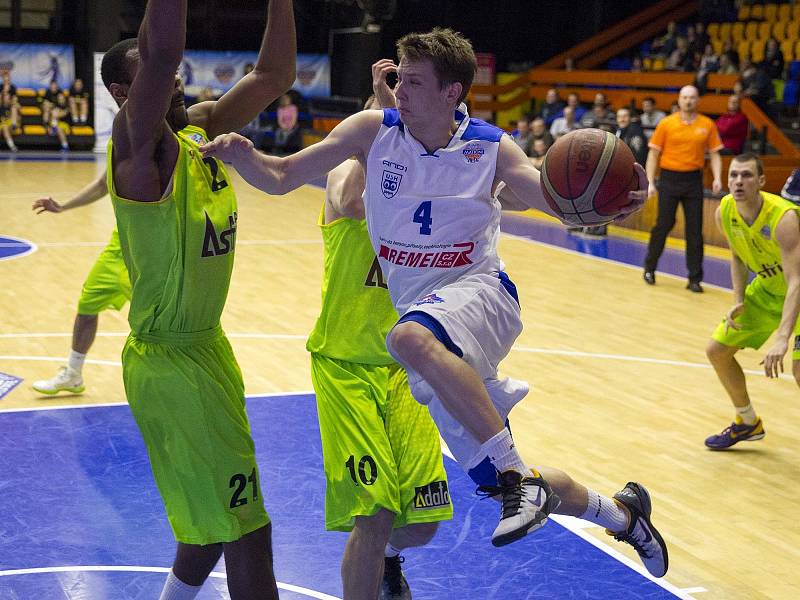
x=214 y=245
x=473 y=152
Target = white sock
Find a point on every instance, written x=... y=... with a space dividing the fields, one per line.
x=75 y=361
x=605 y=512
x=504 y=456
x=747 y=414
x=391 y=551
x=175 y=589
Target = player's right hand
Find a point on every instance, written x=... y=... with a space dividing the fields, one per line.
x=46 y=205
x=228 y=147
x=732 y=314
x=383 y=93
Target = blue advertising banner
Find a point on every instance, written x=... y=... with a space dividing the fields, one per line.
x=217 y=72
x=35 y=65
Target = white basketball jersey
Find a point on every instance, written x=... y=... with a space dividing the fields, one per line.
x=431 y=216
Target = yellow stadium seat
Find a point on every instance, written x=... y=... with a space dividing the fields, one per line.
x=717 y=44
x=793 y=29
x=724 y=31
x=757 y=11
x=779 y=30
x=787 y=47
x=743 y=48
x=751 y=30
x=658 y=64
x=770 y=12
x=796 y=11
x=30 y=111
x=82 y=130
x=713 y=31
x=757 y=51
x=34 y=130
x=784 y=12
x=26 y=93
x=737 y=32
x=744 y=12
x=764 y=30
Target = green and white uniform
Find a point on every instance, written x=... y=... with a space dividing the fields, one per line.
x=756 y=247
x=107 y=285
x=183 y=384
x=380 y=447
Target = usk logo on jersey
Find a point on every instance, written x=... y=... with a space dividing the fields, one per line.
x=473 y=152
x=432 y=495
x=390 y=184
x=217 y=246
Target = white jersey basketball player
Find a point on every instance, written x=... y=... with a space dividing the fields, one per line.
x=433 y=222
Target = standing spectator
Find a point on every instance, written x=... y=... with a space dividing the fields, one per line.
x=288 y=128
x=678 y=147
x=733 y=127
x=78 y=102
x=565 y=124
x=523 y=136
x=9 y=111
x=49 y=101
x=650 y=116
x=539 y=132
x=538 y=151
x=551 y=107
x=631 y=133
x=773 y=59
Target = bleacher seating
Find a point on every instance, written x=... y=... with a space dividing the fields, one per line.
x=33 y=132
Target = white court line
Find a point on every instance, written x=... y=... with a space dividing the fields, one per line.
x=134 y=569
x=289 y=242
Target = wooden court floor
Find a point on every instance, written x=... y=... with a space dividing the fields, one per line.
x=621 y=388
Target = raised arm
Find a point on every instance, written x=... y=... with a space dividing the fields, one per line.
x=787 y=234
x=274 y=74
x=277 y=176
x=90 y=193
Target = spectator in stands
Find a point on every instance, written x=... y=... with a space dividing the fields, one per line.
x=564 y=124
x=708 y=63
x=78 y=102
x=600 y=98
x=49 y=101
x=9 y=111
x=574 y=101
x=637 y=66
x=757 y=84
x=58 y=125
x=674 y=107
x=523 y=136
x=569 y=64
x=631 y=133
x=650 y=116
x=702 y=39
x=551 y=107
x=730 y=51
x=680 y=57
x=537 y=152
x=599 y=117
x=539 y=132
x=733 y=127
x=726 y=67
x=791 y=189
x=692 y=43
x=666 y=44
x=286 y=136
x=773 y=59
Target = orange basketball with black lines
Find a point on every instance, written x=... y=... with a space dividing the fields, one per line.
x=586 y=177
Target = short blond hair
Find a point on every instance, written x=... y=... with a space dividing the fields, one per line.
x=450 y=53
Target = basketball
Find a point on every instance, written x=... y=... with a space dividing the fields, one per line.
x=586 y=177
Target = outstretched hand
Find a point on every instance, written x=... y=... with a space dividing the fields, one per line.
x=228 y=147
x=46 y=205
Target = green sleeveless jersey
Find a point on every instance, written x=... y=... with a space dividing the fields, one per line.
x=179 y=250
x=755 y=244
x=357 y=312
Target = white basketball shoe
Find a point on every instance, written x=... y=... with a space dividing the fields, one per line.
x=66 y=380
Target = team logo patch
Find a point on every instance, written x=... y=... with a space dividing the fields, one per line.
x=197 y=138
x=429 y=299
x=432 y=495
x=473 y=152
x=9 y=382
x=765 y=232
x=448 y=259
x=390 y=184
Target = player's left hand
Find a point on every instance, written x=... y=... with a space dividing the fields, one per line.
x=228 y=147
x=716 y=186
x=637 y=198
x=773 y=361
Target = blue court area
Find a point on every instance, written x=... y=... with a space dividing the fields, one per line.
x=82 y=519
x=14 y=247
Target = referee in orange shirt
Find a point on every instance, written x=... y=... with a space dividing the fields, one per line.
x=678 y=146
